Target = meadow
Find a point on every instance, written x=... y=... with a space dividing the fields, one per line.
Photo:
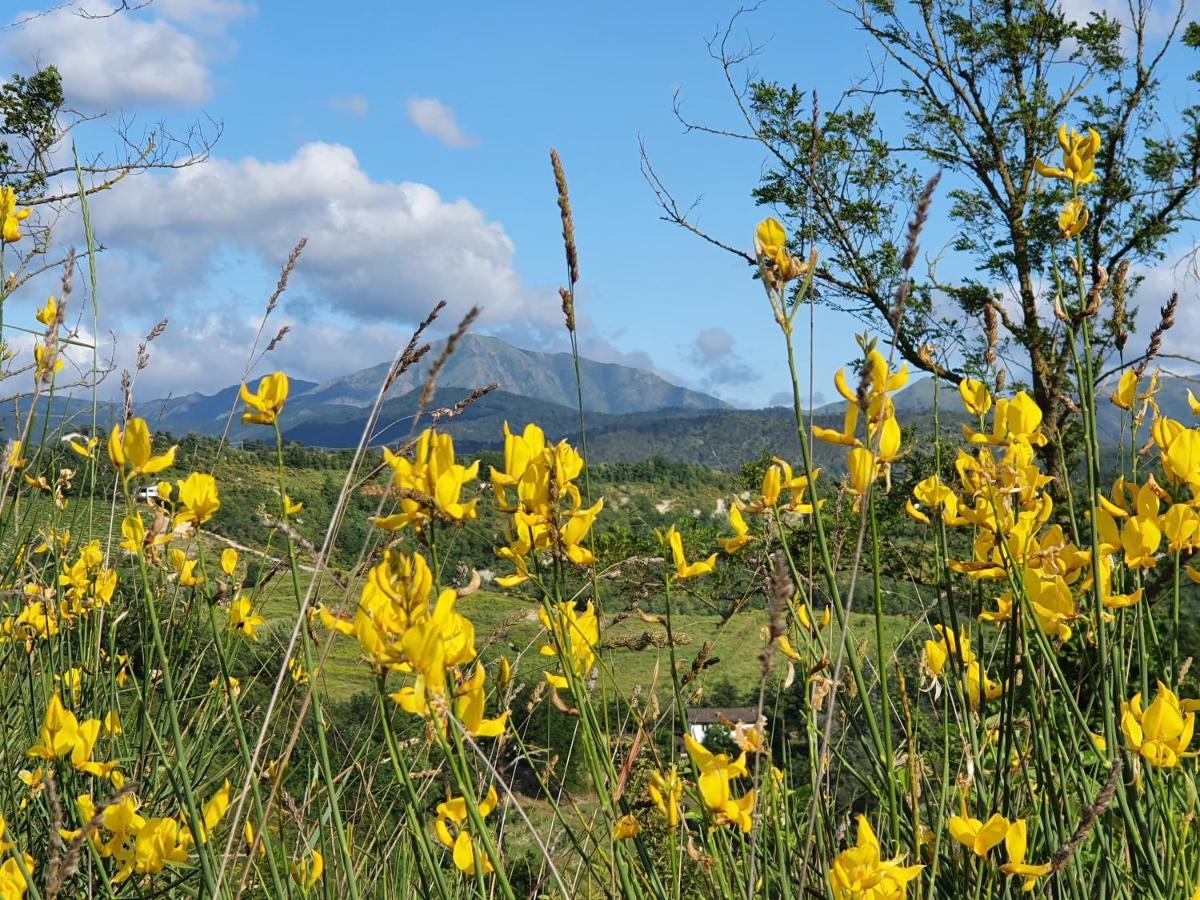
x=960 y=660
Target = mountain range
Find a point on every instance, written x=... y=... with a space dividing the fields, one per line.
x=631 y=413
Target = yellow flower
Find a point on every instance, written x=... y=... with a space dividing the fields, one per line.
x=248 y=837
x=716 y=773
x=160 y=841
x=130 y=450
x=471 y=707
x=233 y=685
x=244 y=618
x=574 y=637
x=1015 y=420
x=575 y=530
x=979 y=837
x=980 y=686
x=229 y=561
x=1016 y=843
x=741 y=531
x=290 y=506
x=520 y=453
x=939 y=651
x=46 y=361
x=976 y=398
x=307 y=872
x=1073 y=218
x=432 y=646
x=770 y=238
x=48 y=314
x=266 y=403
x=751 y=737
x=778 y=478
x=665 y=792
x=860 y=874
x=10 y=216
x=63 y=734
x=86 y=448
x=770 y=245
x=5 y=846
x=216 y=807
x=454 y=812
x=13 y=459
x=863 y=469
x=185 y=569
x=1079 y=157
x=1126 y=391
x=198 y=498
x=433 y=474
x=684 y=569
x=13 y=885
x=627 y=827
x=933 y=494
x=59 y=733
x=134 y=530
x=72 y=680
x=1161 y=733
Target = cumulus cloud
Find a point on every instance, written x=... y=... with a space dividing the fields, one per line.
x=132 y=58
x=713 y=353
x=208 y=351
x=433 y=117
x=353 y=105
x=1160 y=18
x=207 y=16
x=378 y=251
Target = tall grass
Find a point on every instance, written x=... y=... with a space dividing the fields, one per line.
x=161 y=738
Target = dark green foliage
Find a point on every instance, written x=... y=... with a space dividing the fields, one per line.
x=29 y=107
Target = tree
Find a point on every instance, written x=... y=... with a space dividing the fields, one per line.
x=48 y=173
x=983 y=86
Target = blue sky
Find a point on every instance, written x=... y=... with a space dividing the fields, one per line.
x=335 y=119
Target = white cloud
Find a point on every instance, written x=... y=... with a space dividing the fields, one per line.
x=206 y=16
x=136 y=58
x=208 y=350
x=713 y=353
x=1160 y=16
x=353 y=105
x=434 y=118
x=378 y=251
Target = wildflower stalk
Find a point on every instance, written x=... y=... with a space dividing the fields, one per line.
x=313 y=696
x=179 y=767
x=243 y=746
x=881 y=663
x=413 y=807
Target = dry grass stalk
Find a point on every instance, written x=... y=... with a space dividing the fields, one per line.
x=991 y=327
x=280 y=335
x=458 y=408
x=1119 y=323
x=438 y=364
x=285 y=274
x=568 y=307
x=1165 y=323
x=412 y=352
x=143 y=357
x=568 y=220
x=915 y=226
x=1062 y=856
